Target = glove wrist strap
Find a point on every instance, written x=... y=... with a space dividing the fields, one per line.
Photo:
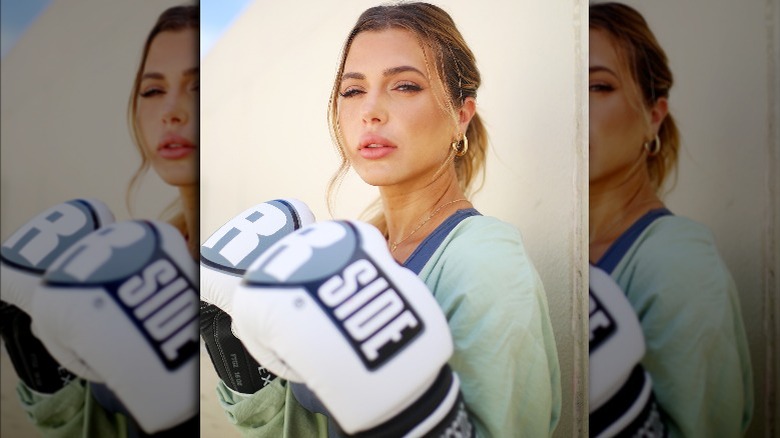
x=440 y=411
x=631 y=411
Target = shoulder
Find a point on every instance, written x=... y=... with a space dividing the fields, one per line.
x=674 y=246
x=486 y=244
x=677 y=232
x=676 y=268
x=484 y=255
x=484 y=238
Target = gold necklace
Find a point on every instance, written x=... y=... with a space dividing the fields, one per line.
x=395 y=244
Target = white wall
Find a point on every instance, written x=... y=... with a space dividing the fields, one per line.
x=724 y=56
x=264 y=132
x=63 y=104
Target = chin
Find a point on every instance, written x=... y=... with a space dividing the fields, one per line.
x=178 y=176
x=376 y=175
x=182 y=182
x=374 y=179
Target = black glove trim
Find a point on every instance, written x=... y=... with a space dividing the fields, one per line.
x=618 y=409
x=421 y=409
x=34 y=365
x=234 y=365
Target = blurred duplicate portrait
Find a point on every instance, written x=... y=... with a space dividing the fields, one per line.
x=683 y=219
x=99 y=281
x=392 y=212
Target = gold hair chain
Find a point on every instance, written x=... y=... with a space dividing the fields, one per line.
x=395 y=244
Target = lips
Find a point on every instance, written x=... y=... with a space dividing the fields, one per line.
x=374 y=147
x=173 y=147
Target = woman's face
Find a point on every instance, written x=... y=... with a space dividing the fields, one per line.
x=619 y=122
x=167 y=106
x=394 y=128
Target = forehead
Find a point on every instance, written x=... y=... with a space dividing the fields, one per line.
x=173 y=48
x=385 y=48
x=603 y=50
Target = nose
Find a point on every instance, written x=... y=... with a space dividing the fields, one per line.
x=374 y=108
x=176 y=109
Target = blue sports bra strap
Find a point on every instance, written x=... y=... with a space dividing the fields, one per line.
x=619 y=248
x=430 y=244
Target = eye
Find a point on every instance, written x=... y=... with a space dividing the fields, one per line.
x=407 y=86
x=195 y=86
x=151 y=92
x=601 y=87
x=350 y=92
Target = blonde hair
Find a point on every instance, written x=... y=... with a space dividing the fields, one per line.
x=649 y=69
x=454 y=65
x=171 y=20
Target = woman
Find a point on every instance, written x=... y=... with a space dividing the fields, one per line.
x=668 y=266
x=403 y=115
x=163 y=112
x=163 y=119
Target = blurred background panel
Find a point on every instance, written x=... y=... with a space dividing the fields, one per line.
x=67 y=72
x=726 y=100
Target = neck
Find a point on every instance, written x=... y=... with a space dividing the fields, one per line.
x=409 y=212
x=189 y=198
x=614 y=208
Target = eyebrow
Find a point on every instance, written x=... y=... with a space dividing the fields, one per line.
x=600 y=68
x=194 y=71
x=388 y=72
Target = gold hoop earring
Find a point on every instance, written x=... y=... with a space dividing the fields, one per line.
x=653 y=147
x=460 y=147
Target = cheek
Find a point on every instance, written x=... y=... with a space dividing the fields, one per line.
x=347 y=118
x=192 y=106
x=613 y=123
x=605 y=116
x=606 y=126
x=146 y=115
x=440 y=128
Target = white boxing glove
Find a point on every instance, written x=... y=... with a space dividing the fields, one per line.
x=120 y=307
x=329 y=307
x=224 y=258
x=620 y=390
x=226 y=255
x=32 y=248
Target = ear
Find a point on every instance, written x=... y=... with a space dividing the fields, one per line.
x=658 y=113
x=466 y=113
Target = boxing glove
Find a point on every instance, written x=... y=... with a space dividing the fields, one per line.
x=620 y=398
x=225 y=256
x=120 y=307
x=24 y=257
x=329 y=307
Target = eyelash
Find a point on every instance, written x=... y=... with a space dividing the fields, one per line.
x=404 y=87
x=601 y=88
x=408 y=87
x=151 y=92
x=157 y=91
x=350 y=92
